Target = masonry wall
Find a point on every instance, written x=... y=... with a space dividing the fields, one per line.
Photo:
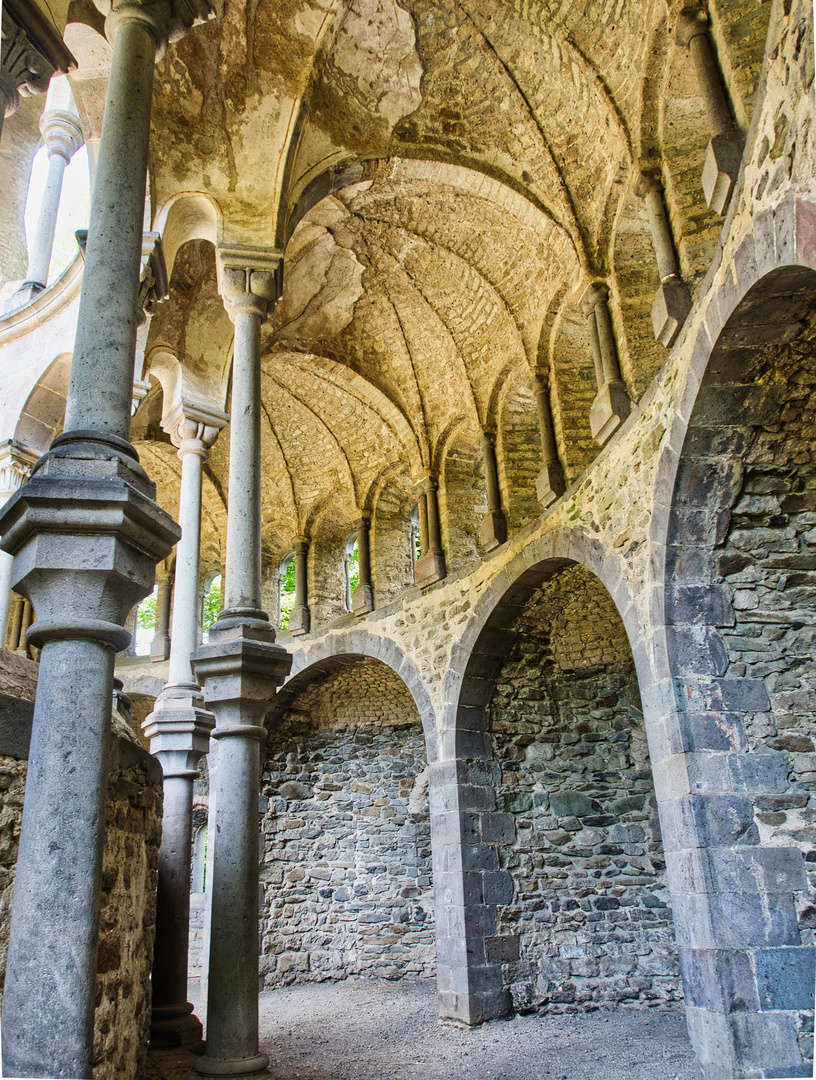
x=346 y=864
x=129 y=873
x=590 y=900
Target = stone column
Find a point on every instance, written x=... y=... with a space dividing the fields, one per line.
x=86 y=535
x=62 y=135
x=724 y=152
x=300 y=618
x=430 y=566
x=16 y=625
x=672 y=302
x=362 y=599
x=15 y=464
x=154 y=288
x=160 y=646
x=493 y=531
x=611 y=405
x=179 y=732
x=550 y=482
x=240 y=668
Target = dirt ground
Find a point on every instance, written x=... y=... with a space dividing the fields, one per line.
x=366 y=1029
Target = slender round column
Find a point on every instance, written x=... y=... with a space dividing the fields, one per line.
x=649 y=188
x=160 y=646
x=105 y=534
x=362 y=599
x=432 y=502
x=179 y=729
x=422 y=506
x=550 y=482
x=300 y=617
x=62 y=136
x=240 y=667
x=493 y=531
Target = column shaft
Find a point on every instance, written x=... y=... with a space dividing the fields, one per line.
x=301 y=575
x=364 y=551
x=606 y=340
x=244 y=522
x=550 y=481
x=422 y=506
x=6 y=566
x=491 y=474
x=595 y=344
x=711 y=88
x=48 y=1004
x=160 y=648
x=40 y=255
x=661 y=234
x=173 y=898
x=185 y=627
x=100 y=393
x=434 y=533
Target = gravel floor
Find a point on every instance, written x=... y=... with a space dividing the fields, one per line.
x=365 y=1029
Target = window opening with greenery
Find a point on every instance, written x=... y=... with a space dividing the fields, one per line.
x=286 y=592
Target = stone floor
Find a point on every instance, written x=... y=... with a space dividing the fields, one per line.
x=366 y=1029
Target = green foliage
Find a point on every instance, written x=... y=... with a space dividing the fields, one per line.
x=287 y=595
x=212 y=604
x=353 y=569
x=146 y=611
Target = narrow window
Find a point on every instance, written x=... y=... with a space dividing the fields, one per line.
x=286 y=590
x=352 y=566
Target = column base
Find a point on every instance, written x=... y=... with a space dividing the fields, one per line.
x=362 y=600
x=609 y=409
x=670 y=309
x=176 y=1027
x=550 y=484
x=721 y=169
x=429 y=568
x=235 y=1069
x=300 y=621
x=493 y=530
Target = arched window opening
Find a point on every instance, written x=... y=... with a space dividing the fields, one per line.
x=286 y=590
x=210 y=605
x=74 y=207
x=416 y=543
x=145 y=624
x=351 y=561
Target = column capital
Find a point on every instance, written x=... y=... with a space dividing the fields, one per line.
x=249 y=278
x=16 y=463
x=363 y=519
x=691 y=22
x=168 y=20
x=427 y=484
x=194 y=422
x=595 y=293
x=30 y=52
x=154 y=286
x=648 y=182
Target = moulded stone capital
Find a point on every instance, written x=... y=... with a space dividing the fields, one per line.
x=362 y=600
x=691 y=22
x=430 y=568
x=240 y=668
x=595 y=293
x=648 y=182
x=86 y=537
x=61 y=133
x=427 y=485
x=169 y=20
x=179 y=728
x=16 y=462
x=249 y=278
x=493 y=529
x=24 y=71
x=722 y=164
x=189 y=421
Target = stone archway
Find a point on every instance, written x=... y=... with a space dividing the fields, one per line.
x=738 y=759
x=347 y=861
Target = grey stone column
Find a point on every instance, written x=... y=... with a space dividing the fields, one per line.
x=725 y=149
x=672 y=302
x=15 y=465
x=160 y=646
x=493 y=531
x=430 y=567
x=550 y=482
x=362 y=599
x=300 y=619
x=179 y=731
x=240 y=668
x=611 y=405
x=62 y=135
x=86 y=535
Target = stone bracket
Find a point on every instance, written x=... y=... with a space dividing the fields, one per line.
x=493 y=530
x=550 y=484
x=300 y=620
x=670 y=309
x=362 y=600
x=430 y=568
x=721 y=169
x=609 y=409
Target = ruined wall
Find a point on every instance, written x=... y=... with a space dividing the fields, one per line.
x=590 y=900
x=346 y=864
x=129 y=872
